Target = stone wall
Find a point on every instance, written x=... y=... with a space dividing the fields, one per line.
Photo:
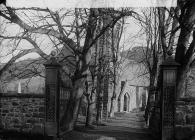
x=185 y=118
x=22 y=112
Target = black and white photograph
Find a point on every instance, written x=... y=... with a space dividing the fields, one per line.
x=97 y=70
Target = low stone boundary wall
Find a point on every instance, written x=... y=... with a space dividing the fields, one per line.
x=185 y=118
x=22 y=112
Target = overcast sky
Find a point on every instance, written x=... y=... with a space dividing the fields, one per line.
x=92 y=3
x=129 y=40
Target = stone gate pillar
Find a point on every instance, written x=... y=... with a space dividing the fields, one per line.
x=168 y=97
x=51 y=96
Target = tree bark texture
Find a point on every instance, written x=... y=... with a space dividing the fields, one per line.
x=90 y=113
x=69 y=118
x=184 y=51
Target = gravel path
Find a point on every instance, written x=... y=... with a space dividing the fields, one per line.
x=128 y=126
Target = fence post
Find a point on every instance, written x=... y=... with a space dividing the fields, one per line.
x=51 y=96
x=168 y=97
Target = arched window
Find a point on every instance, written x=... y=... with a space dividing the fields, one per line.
x=126 y=102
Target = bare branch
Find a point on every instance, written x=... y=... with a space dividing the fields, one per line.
x=36 y=47
x=15 y=19
x=13 y=59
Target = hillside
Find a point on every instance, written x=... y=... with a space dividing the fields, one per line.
x=137 y=54
x=24 y=69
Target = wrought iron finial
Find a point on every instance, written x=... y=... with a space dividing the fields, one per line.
x=53 y=59
x=53 y=53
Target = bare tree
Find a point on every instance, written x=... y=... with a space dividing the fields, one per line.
x=185 y=50
x=115 y=52
x=160 y=33
x=36 y=23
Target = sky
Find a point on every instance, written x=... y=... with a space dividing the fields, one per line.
x=128 y=40
x=92 y=3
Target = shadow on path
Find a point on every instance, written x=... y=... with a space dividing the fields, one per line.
x=117 y=128
x=126 y=126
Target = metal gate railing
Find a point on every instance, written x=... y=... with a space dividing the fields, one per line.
x=168 y=98
x=57 y=96
x=64 y=96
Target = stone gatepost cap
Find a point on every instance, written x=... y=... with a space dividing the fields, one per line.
x=52 y=61
x=170 y=61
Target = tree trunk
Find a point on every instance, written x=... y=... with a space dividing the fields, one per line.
x=111 y=113
x=79 y=78
x=113 y=99
x=89 y=117
x=69 y=118
x=90 y=107
x=99 y=102
x=99 y=92
x=148 y=105
x=147 y=110
x=98 y=105
x=181 y=82
x=71 y=115
x=184 y=51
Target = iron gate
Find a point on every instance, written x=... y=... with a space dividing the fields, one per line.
x=168 y=111
x=57 y=96
x=168 y=98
